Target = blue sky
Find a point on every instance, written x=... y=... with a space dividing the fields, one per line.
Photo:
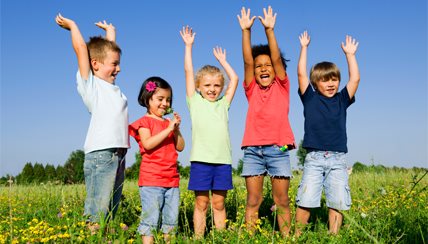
x=43 y=119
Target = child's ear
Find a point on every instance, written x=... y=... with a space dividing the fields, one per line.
x=94 y=64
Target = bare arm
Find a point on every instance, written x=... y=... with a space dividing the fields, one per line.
x=269 y=23
x=188 y=37
x=246 y=22
x=350 y=48
x=150 y=141
x=302 y=73
x=78 y=43
x=109 y=28
x=233 y=77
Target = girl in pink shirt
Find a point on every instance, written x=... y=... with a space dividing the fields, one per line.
x=159 y=140
x=268 y=135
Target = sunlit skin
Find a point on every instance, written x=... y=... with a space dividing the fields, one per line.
x=210 y=87
x=263 y=70
x=328 y=88
x=159 y=102
x=108 y=68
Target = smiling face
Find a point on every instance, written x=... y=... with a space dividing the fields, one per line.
x=210 y=87
x=328 y=88
x=263 y=70
x=108 y=68
x=159 y=102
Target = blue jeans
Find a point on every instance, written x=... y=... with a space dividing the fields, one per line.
x=104 y=172
x=269 y=159
x=324 y=170
x=159 y=208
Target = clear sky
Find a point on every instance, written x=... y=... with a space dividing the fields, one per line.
x=43 y=119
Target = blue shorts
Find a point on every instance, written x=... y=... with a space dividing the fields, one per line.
x=206 y=177
x=159 y=209
x=262 y=160
x=328 y=171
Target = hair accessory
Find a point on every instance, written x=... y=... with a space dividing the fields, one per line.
x=150 y=86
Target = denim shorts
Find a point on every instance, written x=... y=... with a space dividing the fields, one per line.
x=262 y=160
x=104 y=172
x=206 y=176
x=159 y=209
x=324 y=170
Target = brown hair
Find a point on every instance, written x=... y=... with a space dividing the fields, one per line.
x=99 y=46
x=324 y=71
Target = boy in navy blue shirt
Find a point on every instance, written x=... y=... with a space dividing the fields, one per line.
x=325 y=135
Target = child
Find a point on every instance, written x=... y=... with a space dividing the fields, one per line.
x=268 y=135
x=210 y=156
x=325 y=135
x=159 y=140
x=107 y=139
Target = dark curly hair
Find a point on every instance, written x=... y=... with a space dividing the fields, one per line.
x=263 y=49
x=145 y=95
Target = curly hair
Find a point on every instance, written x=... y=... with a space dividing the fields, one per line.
x=263 y=49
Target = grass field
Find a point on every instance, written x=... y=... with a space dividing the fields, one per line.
x=388 y=207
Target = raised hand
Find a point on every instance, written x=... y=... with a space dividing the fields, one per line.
x=305 y=39
x=188 y=35
x=219 y=54
x=350 y=46
x=64 y=22
x=269 y=19
x=103 y=25
x=244 y=20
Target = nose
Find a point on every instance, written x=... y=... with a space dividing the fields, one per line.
x=118 y=68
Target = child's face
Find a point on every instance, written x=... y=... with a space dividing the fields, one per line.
x=210 y=87
x=109 y=68
x=263 y=70
x=160 y=102
x=328 y=88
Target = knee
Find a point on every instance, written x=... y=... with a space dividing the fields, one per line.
x=254 y=201
x=218 y=205
x=282 y=201
x=201 y=205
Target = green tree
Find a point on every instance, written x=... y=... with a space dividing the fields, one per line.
x=239 y=167
x=50 y=172
x=61 y=174
x=27 y=174
x=183 y=171
x=39 y=173
x=359 y=167
x=134 y=171
x=74 y=167
x=301 y=154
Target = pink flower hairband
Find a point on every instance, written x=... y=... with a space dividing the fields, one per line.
x=151 y=86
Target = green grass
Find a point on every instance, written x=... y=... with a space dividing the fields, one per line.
x=388 y=207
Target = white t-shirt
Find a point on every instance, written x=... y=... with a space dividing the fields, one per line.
x=108 y=107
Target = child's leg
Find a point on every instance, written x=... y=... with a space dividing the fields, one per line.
x=219 y=209
x=199 y=214
x=170 y=212
x=335 y=219
x=280 y=188
x=152 y=198
x=147 y=239
x=254 y=186
x=118 y=184
x=302 y=217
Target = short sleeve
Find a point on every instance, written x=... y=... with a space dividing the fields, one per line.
x=345 y=97
x=249 y=89
x=87 y=89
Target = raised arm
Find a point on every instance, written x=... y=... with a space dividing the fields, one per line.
x=246 y=22
x=78 y=43
x=188 y=37
x=350 y=48
x=109 y=28
x=233 y=77
x=269 y=23
x=302 y=73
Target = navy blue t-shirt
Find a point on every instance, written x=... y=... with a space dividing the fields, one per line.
x=325 y=120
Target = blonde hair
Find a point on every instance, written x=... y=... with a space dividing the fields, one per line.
x=324 y=71
x=209 y=70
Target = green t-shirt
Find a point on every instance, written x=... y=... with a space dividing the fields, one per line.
x=210 y=130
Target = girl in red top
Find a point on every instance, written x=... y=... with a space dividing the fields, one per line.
x=268 y=135
x=159 y=140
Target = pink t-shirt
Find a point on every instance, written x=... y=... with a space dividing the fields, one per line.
x=267 y=117
x=159 y=165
